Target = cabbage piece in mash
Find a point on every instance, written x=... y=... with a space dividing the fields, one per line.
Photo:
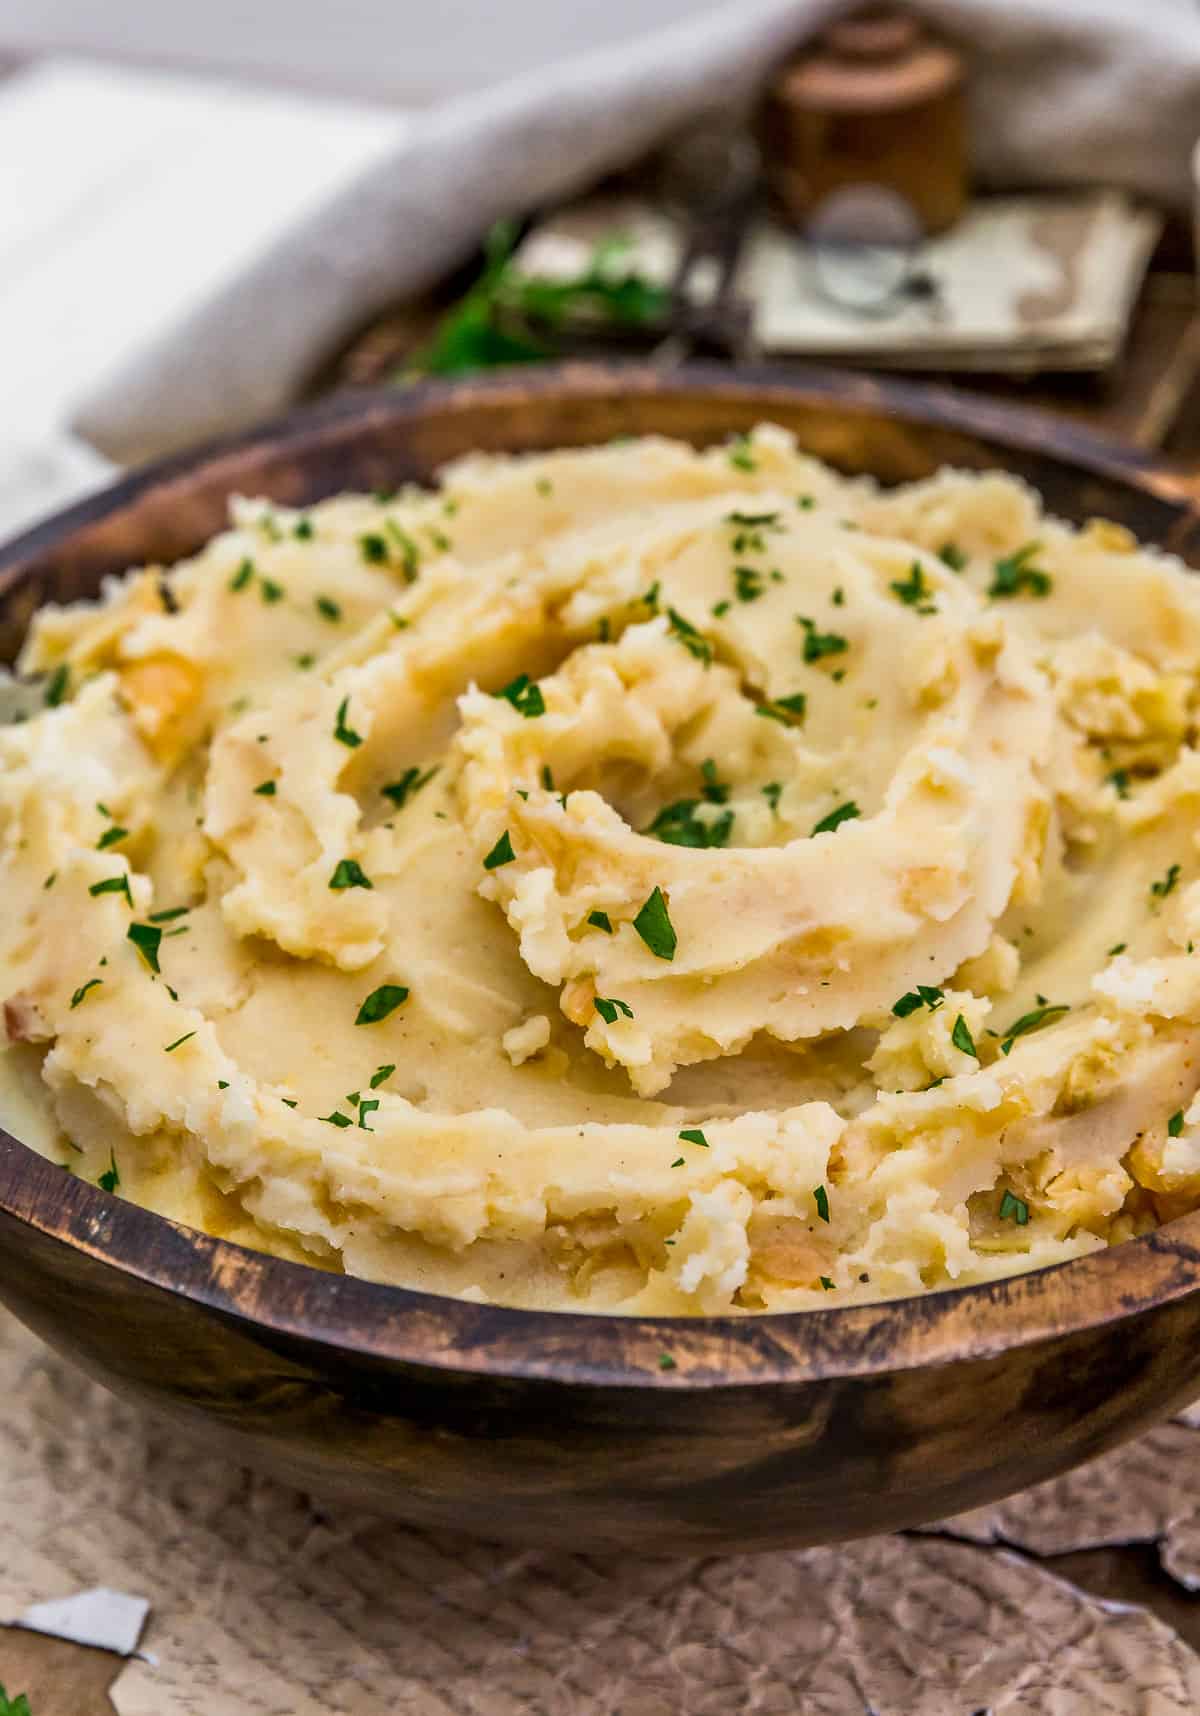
x=623 y=879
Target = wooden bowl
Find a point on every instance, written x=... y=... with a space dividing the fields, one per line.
x=554 y=1427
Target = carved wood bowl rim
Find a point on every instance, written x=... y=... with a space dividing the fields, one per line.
x=369 y=1320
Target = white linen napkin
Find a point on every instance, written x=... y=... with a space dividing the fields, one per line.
x=1063 y=92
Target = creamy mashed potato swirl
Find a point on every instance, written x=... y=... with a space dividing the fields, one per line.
x=627 y=879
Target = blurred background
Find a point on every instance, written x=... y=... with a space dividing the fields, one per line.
x=208 y=214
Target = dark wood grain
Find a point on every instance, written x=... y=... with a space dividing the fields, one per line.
x=560 y=1428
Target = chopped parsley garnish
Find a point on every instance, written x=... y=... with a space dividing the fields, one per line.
x=51 y=879
x=380 y=1002
x=265 y=789
x=343 y=734
x=922 y=996
x=914 y=592
x=57 y=686
x=169 y=916
x=838 y=598
x=349 y=874
x=1013 y=1208
x=817 y=644
x=748 y=584
x=741 y=453
x=821 y=1199
x=1115 y=950
x=525 y=695
x=962 y=1039
x=650 y=599
x=693 y=641
x=826 y=1283
x=714 y=790
x=544 y=486
x=328 y=608
x=501 y=853
x=110 y=1179
x=693 y=1135
x=111 y=837
x=179 y=1042
x=410 y=782
x=844 y=813
x=270 y=591
x=790 y=711
x=720 y=609
x=381 y=1074
x=1014 y=574
x=222 y=1084
x=753 y=520
x=302 y=530
x=1175 y=1124
x=1032 y=1021
x=601 y=921
x=289 y=1102
x=805 y=502
x=678 y=1162
x=951 y=555
x=608 y=1009
x=773 y=792
x=336 y=1119
x=242 y=576
x=114 y=885
x=374 y=550
x=410 y=554
x=678 y=825
x=367 y=1105
x=1162 y=888
x=1119 y=780
x=666 y=1362
x=84 y=989
x=653 y=924
x=306 y=660
x=146 y=938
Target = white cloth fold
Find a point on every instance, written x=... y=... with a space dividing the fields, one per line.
x=1063 y=92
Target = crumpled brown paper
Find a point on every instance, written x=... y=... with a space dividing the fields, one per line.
x=266 y=1605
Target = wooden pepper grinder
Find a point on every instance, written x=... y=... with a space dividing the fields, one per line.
x=875 y=101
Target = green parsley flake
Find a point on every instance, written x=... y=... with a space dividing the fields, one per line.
x=111 y=837
x=242 y=576
x=951 y=555
x=608 y=1008
x=367 y=1105
x=1175 y=1124
x=382 y=1074
x=52 y=878
x=653 y=924
x=179 y=1042
x=410 y=782
x=113 y=885
x=265 y=789
x=790 y=711
x=678 y=825
x=380 y=1002
x=805 y=502
x=57 y=686
x=410 y=554
x=748 y=584
x=715 y=791
x=826 y=1283
x=1013 y=1208
x=348 y=874
x=342 y=733
x=110 y=1179
x=92 y=983
x=146 y=938
x=693 y=1135
x=741 y=453
x=773 y=792
x=666 y=1362
x=1119 y=781
x=847 y=812
x=1032 y=1021
x=501 y=853
x=373 y=548
x=525 y=696
x=328 y=608
x=336 y=1119
x=922 y=996
x=1115 y=950
x=914 y=592
x=817 y=644
x=821 y=1199
x=601 y=921
x=962 y=1039
x=693 y=641
x=544 y=486
x=270 y=591
x=302 y=530
x=1160 y=890
x=169 y=915
x=1014 y=574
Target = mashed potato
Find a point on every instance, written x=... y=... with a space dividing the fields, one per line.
x=631 y=879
